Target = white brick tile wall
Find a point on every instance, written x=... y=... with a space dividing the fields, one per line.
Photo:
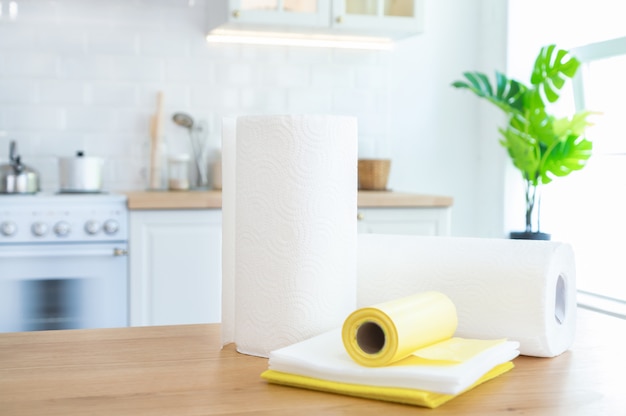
x=85 y=67
x=111 y=41
x=62 y=92
x=307 y=100
x=223 y=98
x=137 y=69
x=84 y=75
x=332 y=76
x=285 y=76
x=371 y=76
x=28 y=65
x=86 y=119
x=355 y=101
x=265 y=100
x=32 y=119
x=17 y=38
x=176 y=97
x=63 y=43
x=114 y=94
x=265 y=54
x=18 y=92
x=164 y=44
x=238 y=74
x=190 y=70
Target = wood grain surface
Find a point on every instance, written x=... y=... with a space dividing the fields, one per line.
x=181 y=370
x=213 y=199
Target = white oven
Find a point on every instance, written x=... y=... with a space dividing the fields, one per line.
x=63 y=261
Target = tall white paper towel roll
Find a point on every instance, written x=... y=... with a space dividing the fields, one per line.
x=294 y=227
x=229 y=154
x=517 y=289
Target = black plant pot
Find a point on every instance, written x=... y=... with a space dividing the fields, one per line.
x=527 y=235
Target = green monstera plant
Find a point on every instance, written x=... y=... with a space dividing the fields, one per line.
x=541 y=146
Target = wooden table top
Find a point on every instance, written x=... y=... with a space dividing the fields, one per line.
x=181 y=370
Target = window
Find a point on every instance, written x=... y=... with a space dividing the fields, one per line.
x=588 y=209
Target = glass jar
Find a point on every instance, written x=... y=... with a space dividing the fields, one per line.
x=178 y=172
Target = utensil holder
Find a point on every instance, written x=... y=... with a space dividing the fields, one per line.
x=374 y=174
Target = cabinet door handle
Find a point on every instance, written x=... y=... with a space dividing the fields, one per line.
x=236 y=14
x=339 y=19
x=360 y=216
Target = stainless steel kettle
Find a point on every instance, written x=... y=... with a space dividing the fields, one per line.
x=17 y=178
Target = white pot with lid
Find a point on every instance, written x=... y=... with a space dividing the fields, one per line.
x=80 y=173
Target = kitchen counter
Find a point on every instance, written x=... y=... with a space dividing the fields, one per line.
x=213 y=199
x=174 y=199
x=176 y=370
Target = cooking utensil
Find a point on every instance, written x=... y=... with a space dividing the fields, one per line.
x=156 y=145
x=17 y=178
x=198 y=137
x=80 y=173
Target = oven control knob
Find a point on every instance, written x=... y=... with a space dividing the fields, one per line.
x=39 y=229
x=92 y=227
x=111 y=226
x=8 y=228
x=62 y=228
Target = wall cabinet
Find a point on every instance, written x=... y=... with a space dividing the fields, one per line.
x=286 y=13
x=394 y=18
x=175 y=266
x=391 y=17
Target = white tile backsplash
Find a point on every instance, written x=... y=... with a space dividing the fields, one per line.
x=19 y=92
x=84 y=75
x=62 y=92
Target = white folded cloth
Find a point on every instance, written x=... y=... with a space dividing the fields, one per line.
x=324 y=357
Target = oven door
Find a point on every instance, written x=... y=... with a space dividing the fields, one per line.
x=63 y=286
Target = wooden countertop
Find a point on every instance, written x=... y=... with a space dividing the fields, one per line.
x=174 y=199
x=213 y=199
x=181 y=370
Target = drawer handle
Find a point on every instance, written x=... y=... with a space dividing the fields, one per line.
x=120 y=252
x=339 y=19
x=236 y=14
x=360 y=216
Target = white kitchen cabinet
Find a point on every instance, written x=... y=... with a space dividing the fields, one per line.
x=419 y=221
x=292 y=13
x=175 y=252
x=390 y=18
x=387 y=17
x=175 y=266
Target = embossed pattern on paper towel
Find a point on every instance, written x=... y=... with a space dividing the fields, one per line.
x=295 y=228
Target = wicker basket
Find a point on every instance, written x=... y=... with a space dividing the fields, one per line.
x=373 y=174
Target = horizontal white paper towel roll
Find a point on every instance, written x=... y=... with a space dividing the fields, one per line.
x=294 y=229
x=516 y=289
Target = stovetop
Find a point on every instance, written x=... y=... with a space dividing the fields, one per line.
x=48 y=217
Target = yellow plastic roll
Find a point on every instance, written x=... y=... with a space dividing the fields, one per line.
x=385 y=333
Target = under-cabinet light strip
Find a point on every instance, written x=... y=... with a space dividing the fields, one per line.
x=290 y=39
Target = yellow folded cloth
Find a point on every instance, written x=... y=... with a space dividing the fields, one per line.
x=390 y=394
x=400 y=351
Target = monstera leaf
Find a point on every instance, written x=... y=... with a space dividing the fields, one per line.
x=571 y=152
x=552 y=70
x=508 y=94
x=523 y=152
x=543 y=147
